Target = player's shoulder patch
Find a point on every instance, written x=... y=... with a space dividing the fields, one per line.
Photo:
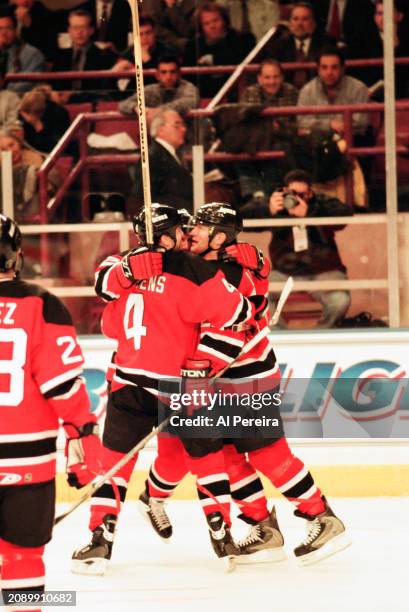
x=54 y=310
x=188 y=266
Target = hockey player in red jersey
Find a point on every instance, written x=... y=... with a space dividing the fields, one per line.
x=157 y=323
x=41 y=364
x=216 y=226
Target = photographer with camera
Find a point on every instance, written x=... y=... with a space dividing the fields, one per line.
x=308 y=252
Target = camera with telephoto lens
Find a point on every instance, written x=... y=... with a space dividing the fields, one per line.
x=290 y=200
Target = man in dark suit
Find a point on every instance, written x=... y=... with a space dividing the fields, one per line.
x=371 y=46
x=347 y=20
x=83 y=55
x=171 y=182
x=111 y=20
x=302 y=43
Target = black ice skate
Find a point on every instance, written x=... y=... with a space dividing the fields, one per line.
x=153 y=510
x=264 y=542
x=325 y=536
x=221 y=539
x=93 y=559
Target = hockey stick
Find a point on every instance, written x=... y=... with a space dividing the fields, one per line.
x=288 y=287
x=143 y=132
x=101 y=480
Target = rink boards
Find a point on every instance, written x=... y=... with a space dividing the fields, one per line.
x=345 y=407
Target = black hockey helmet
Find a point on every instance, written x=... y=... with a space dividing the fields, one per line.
x=165 y=220
x=187 y=219
x=10 y=245
x=220 y=217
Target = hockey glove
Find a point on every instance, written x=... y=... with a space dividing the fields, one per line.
x=83 y=450
x=247 y=255
x=195 y=375
x=142 y=263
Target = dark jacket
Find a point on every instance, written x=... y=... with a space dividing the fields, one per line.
x=322 y=253
x=95 y=60
x=56 y=121
x=230 y=50
x=118 y=24
x=42 y=32
x=284 y=50
x=358 y=16
x=171 y=183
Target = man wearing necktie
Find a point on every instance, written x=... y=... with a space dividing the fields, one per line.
x=112 y=22
x=345 y=20
x=82 y=56
x=170 y=181
x=302 y=44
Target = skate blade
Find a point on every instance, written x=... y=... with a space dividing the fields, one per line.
x=269 y=555
x=332 y=547
x=91 y=567
x=143 y=511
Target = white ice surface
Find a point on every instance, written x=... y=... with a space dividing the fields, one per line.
x=146 y=574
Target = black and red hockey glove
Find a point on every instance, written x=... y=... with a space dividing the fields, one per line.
x=247 y=255
x=142 y=263
x=83 y=451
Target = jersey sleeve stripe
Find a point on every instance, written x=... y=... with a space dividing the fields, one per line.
x=27 y=460
x=223 y=338
x=58 y=380
x=242 y=313
x=28 y=437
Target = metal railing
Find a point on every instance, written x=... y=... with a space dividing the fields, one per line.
x=80 y=129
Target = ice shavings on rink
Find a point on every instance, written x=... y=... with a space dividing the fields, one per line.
x=370 y=576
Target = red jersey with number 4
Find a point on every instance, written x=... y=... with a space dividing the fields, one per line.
x=156 y=321
x=40 y=361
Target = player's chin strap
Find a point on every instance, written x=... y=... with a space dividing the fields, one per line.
x=101 y=480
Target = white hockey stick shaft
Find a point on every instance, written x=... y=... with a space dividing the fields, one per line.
x=101 y=480
x=239 y=69
x=141 y=112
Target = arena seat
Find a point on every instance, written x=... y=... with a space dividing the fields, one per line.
x=75 y=109
x=106 y=128
x=301 y=310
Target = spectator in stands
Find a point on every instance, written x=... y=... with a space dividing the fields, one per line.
x=112 y=22
x=25 y=184
x=44 y=121
x=332 y=86
x=302 y=44
x=345 y=20
x=16 y=55
x=310 y=252
x=217 y=44
x=371 y=46
x=152 y=50
x=271 y=89
x=37 y=26
x=171 y=91
x=9 y=104
x=175 y=20
x=171 y=182
x=84 y=55
x=257 y=179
